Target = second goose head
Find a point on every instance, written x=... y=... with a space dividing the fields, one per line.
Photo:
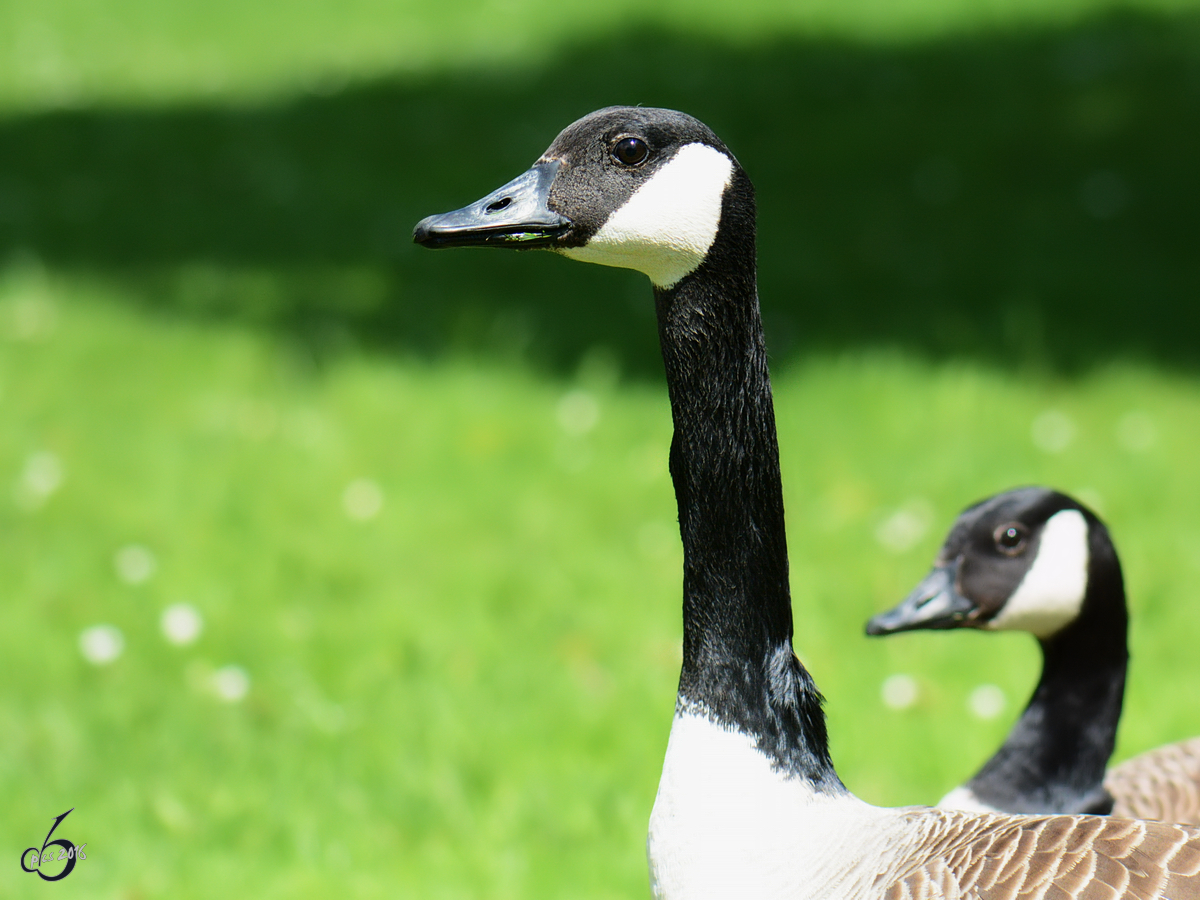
x=1036 y=560
x=1029 y=559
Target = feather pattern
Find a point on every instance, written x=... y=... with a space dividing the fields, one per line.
x=1002 y=857
x=1163 y=784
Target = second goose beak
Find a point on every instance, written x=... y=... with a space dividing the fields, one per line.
x=934 y=603
x=516 y=215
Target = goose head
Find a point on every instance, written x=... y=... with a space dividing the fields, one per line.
x=631 y=187
x=1029 y=559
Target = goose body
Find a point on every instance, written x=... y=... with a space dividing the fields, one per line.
x=1163 y=784
x=1037 y=560
x=749 y=803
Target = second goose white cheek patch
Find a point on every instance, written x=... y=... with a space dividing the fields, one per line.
x=667 y=226
x=1051 y=593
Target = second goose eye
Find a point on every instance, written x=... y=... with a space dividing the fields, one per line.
x=1010 y=539
x=631 y=151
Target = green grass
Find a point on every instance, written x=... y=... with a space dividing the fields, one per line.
x=1026 y=197
x=74 y=52
x=468 y=695
x=213 y=325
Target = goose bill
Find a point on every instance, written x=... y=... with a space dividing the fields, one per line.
x=516 y=215
x=934 y=603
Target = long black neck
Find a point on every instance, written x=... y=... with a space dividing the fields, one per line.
x=738 y=663
x=1055 y=757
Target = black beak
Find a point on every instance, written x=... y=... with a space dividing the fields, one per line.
x=934 y=603
x=514 y=216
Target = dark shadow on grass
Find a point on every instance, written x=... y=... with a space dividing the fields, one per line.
x=1028 y=199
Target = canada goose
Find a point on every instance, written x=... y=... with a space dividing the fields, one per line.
x=749 y=804
x=1036 y=560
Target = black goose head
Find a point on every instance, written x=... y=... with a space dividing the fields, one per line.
x=624 y=186
x=1029 y=560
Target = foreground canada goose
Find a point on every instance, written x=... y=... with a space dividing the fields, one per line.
x=749 y=804
x=1036 y=560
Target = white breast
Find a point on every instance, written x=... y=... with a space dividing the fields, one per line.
x=727 y=823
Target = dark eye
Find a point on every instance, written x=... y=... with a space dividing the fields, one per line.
x=631 y=151
x=1010 y=539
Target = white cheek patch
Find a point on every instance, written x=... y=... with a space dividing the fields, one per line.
x=667 y=227
x=1051 y=592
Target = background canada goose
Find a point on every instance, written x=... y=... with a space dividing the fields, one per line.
x=1037 y=560
x=749 y=803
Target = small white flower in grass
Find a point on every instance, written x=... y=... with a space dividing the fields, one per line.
x=135 y=564
x=578 y=412
x=101 y=644
x=34 y=316
x=987 y=701
x=362 y=499
x=1052 y=431
x=231 y=683
x=899 y=691
x=1136 y=432
x=41 y=477
x=181 y=623
x=173 y=814
x=901 y=531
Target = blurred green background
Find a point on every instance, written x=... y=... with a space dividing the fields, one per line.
x=333 y=565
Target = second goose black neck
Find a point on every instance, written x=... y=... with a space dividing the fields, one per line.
x=738 y=663
x=1056 y=755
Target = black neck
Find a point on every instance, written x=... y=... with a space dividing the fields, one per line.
x=1055 y=757
x=738 y=664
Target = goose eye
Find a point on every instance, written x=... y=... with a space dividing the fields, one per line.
x=631 y=151
x=1010 y=539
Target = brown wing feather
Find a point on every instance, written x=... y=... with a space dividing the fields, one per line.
x=1160 y=784
x=988 y=857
